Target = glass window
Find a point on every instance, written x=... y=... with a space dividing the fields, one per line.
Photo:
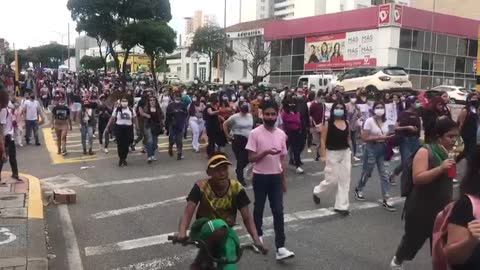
x=472 y=48
x=299 y=46
x=469 y=65
x=452 y=45
x=426 y=82
x=350 y=74
x=441 y=44
x=462 y=46
x=460 y=65
x=459 y=82
x=403 y=58
x=415 y=60
x=437 y=81
x=428 y=45
x=418 y=40
x=275 y=63
x=450 y=64
x=276 y=45
x=286 y=64
x=416 y=81
x=286 y=47
x=297 y=62
x=426 y=61
x=405 y=38
x=438 y=62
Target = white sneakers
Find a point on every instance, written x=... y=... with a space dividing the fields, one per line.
x=394 y=265
x=105 y=150
x=283 y=254
x=299 y=170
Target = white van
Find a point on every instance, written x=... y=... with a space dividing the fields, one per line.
x=319 y=81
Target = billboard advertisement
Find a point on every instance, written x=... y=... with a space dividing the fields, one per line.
x=341 y=50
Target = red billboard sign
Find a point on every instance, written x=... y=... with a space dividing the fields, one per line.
x=398 y=15
x=383 y=15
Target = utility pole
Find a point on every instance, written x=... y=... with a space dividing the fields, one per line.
x=240 y=12
x=17 y=65
x=224 y=53
x=68 y=47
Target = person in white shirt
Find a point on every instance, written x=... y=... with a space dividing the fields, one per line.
x=31 y=110
x=7 y=123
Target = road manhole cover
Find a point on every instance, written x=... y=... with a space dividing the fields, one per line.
x=8 y=198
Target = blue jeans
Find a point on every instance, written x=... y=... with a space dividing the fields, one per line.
x=31 y=125
x=407 y=146
x=175 y=136
x=87 y=134
x=269 y=185
x=152 y=142
x=374 y=153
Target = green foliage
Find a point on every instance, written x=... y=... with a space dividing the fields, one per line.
x=92 y=63
x=50 y=55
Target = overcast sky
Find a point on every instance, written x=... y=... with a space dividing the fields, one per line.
x=34 y=22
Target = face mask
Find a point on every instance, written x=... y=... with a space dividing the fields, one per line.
x=418 y=105
x=124 y=104
x=299 y=96
x=234 y=98
x=225 y=98
x=61 y=103
x=379 y=112
x=177 y=100
x=338 y=112
x=269 y=122
x=194 y=99
x=267 y=98
x=242 y=99
x=353 y=100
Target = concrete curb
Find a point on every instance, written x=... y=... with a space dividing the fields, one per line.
x=36 y=240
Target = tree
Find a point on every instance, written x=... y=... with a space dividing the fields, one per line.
x=156 y=38
x=92 y=63
x=115 y=22
x=257 y=54
x=51 y=55
x=209 y=40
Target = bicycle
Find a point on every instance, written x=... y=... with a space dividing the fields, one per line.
x=213 y=263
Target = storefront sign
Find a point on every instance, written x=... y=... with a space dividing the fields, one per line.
x=246 y=34
x=398 y=15
x=341 y=50
x=383 y=15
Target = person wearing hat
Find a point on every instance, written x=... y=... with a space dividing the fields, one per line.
x=218 y=197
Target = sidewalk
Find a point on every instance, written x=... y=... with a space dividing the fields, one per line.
x=22 y=227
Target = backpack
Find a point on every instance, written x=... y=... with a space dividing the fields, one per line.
x=406 y=180
x=440 y=233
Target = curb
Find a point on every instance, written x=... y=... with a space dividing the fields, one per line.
x=36 y=240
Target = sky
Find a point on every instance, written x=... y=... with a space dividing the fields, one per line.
x=42 y=23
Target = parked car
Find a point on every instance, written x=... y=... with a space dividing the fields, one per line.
x=457 y=94
x=375 y=79
x=321 y=82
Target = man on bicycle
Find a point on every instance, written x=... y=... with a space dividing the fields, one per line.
x=218 y=197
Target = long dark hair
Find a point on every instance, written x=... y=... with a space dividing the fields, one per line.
x=332 y=116
x=471 y=181
x=468 y=106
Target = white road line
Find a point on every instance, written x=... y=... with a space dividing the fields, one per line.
x=139 y=180
x=163 y=238
x=118 y=212
x=73 y=252
x=161 y=263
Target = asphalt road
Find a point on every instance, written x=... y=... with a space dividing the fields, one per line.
x=123 y=215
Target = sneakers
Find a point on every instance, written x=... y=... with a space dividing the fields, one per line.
x=392 y=180
x=299 y=170
x=154 y=158
x=388 y=206
x=283 y=254
x=149 y=160
x=105 y=150
x=394 y=265
x=309 y=150
x=356 y=159
x=359 y=195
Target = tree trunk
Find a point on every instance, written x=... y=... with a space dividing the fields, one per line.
x=210 y=67
x=115 y=58
x=124 y=68
x=104 y=58
x=154 y=73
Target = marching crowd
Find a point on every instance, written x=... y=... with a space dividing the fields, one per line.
x=266 y=127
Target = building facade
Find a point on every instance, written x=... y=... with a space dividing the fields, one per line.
x=434 y=48
x=464 y=8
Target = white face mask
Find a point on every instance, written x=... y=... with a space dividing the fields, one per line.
x=234 y=98
x=124 y=104
x=194 y=99
x=242 y=99
x=379 y=112
x=353 y=100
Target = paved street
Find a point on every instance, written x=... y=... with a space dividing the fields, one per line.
x=123 y=215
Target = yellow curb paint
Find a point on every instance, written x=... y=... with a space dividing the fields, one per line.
x=52 y=146
x=35 y=203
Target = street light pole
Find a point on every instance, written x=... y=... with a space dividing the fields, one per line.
x=224 y=53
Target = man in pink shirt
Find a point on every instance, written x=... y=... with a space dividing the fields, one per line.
x=267 y=150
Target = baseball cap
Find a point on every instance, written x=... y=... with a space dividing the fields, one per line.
x=217 y=160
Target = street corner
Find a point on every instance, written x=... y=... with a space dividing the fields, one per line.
x=22 y=225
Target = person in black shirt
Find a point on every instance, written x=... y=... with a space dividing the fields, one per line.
x=335 y=152
x=104 y=112
x=60 y=123
x=175 y=120
x=463 y=244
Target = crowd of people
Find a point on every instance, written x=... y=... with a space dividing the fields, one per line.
x=266 y=127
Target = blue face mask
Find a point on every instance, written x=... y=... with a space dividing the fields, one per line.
x=338 y=112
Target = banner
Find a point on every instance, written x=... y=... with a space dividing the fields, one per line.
x=341 y=50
